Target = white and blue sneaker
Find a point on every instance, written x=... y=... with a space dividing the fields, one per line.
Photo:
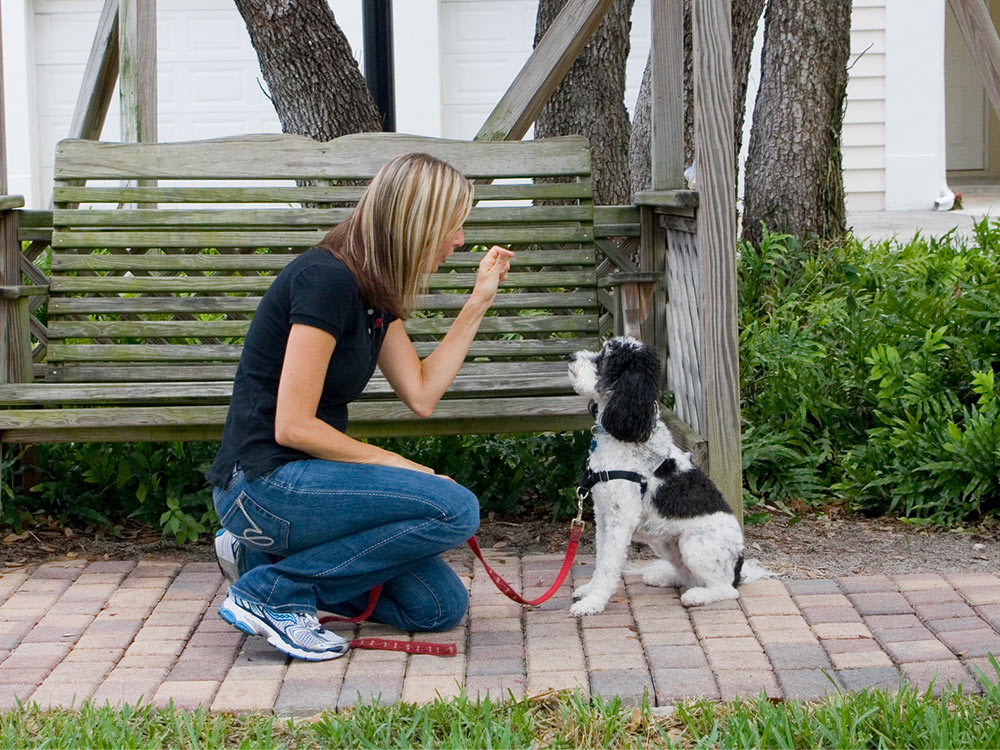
x=229 y=554
x=297 y=634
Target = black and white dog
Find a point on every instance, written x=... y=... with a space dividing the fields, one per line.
x=646 y=488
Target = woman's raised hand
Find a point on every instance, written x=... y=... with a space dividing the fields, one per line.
x=493 y=269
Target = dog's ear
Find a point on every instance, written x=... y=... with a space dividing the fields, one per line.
x=630 y=414
x=592 y=408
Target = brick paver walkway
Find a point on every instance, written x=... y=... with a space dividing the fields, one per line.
x=123 y=631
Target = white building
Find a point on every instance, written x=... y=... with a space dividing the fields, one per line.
x=910 y=76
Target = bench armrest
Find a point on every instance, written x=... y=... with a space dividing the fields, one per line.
x=17 y=292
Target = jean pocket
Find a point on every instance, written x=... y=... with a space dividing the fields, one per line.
x=256 y=526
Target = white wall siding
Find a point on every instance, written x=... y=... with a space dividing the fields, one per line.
x=863 y=142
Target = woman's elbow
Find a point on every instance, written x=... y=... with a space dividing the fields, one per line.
x=422 y=408
x=288 y=433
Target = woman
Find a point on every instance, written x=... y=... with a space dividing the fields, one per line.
x=313 y=519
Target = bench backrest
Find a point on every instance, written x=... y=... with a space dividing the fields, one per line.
x=165 y=293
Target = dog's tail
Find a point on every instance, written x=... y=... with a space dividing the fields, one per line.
x=752 y=570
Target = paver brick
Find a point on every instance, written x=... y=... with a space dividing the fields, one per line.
x=812 y=586
x=855 y=680
x=954 y=623
x=971 y=580
x=431 y=688
x=971 y=642
x=860 y=659
x=892 y=622
x=881 y=603
x=669 y=638
x=724 y=630
x=555 y=661
x=676 y=684
x=806 y=684
x=496 y=686
x=570 y=679
x=630 y=685
x=822 y=600
x=797 y=656
x=751 y=661
x=909 y=651
x=35 y=656
x=920 y=581
x=838 y=630
x=942 y=610
x=10 y=694
x=932 y=596
x=186 y=694
x=739 y=683
x=865 y=584
x=246 y=695
x=676 y=657
x=730 y=645
x=763 y=587
x=819 y=615
x=979 y=595
x=769 y=605
x=940 y=674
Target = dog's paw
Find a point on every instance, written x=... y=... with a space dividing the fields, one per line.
x=582 y=591
x=700 y=595
x=591 y=605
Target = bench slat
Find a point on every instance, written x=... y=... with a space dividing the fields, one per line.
x=501 y=234
x=502 y=378
x=285 y=195
x=227 y=353
x=62 y=262
x=207 y=284
x=524 y=374
x=506 y=300
x=215 y=415
x=284 y=156
x=238 y=328
x=295 y=217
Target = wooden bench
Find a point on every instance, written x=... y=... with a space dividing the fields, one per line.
x=156 y=269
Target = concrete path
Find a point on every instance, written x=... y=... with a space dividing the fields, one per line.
x=121 y=632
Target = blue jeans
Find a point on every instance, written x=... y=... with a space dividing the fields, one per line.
x=320 y=534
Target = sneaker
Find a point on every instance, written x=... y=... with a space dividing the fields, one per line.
x=294 y=633
x=229 y=554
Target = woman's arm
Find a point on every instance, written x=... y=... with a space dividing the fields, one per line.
x=421 y=384
x=296 y=425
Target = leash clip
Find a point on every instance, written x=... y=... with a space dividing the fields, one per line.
x=582 y=493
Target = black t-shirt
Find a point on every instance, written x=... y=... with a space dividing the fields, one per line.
x=315 y=289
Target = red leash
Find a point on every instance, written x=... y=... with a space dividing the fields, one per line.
x=450 y=649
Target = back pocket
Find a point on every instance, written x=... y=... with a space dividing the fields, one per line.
x=257 y=527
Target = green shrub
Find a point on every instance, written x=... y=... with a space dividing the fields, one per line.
x=868 y=371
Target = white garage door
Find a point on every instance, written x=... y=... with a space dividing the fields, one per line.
x=207 y=83
x=484 y=43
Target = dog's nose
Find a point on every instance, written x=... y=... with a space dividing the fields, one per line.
x=571 y=357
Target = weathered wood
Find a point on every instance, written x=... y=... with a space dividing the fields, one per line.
x=715 y=156
x=668 y=198
x=8 y=202
x=545 y=69
x=99 y=77
x=429 y=302
x=667 y=95
x=223 y=284
x=653 y=260
x=684 y=329
x=298 y=217
x=137 y=69
x=500 y=234
x=974 y=21
x=527 y=325
x=283 y=157
x=286 y=195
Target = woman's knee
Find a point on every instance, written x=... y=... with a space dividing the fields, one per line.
x=463 y=515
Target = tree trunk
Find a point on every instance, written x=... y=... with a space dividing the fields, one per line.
x=794 y=176
x=745 y=16
x=314 y=80
x=590 y=100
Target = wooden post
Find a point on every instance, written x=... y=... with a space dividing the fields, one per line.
x=99 y=77
x=667 y=95
x=711 y=23
x=980 y=35
x=541 y=75
x=137 y=69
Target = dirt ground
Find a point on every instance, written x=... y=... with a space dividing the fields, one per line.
x=807 y=546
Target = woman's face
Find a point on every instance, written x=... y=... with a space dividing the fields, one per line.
x=451 y=242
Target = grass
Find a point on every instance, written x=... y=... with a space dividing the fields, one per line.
x=872 y=718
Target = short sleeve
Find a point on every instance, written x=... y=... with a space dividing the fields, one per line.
x=324 y=297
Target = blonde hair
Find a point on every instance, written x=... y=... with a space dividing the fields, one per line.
x=389 y=242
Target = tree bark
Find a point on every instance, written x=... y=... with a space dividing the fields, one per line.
x=314 y=81
x=590 y=100
x=794 y=174
x=745 y=17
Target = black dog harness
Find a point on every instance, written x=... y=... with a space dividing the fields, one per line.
x=590 y=478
